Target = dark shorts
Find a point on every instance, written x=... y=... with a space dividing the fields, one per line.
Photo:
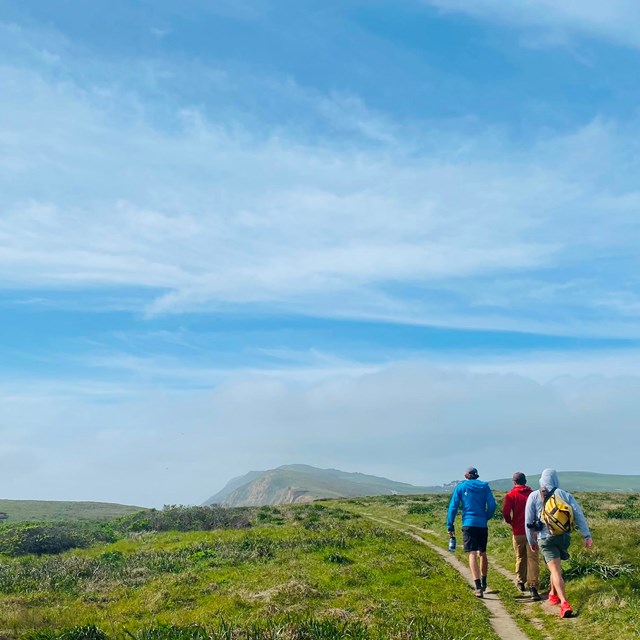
x=475 y=538
x=555 y=547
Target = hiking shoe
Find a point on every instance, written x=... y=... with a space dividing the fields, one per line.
x=478 y=593
x=520 y=586
x=565 y=610
x=535 y=596
x=553 y=599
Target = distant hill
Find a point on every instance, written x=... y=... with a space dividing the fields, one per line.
x=304 y=483
x=63 y=510
x=578 y=481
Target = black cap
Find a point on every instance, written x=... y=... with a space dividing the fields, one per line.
x=471 y=472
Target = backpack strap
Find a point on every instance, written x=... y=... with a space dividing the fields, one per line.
x=546 y=495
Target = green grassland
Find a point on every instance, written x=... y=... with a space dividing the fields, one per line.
x=603 y=584
x=321 y=570
x=62 y=510
x=581 y=481
x=311 y=571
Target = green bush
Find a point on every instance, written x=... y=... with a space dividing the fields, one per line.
x=52 y=537
x=338 y=558
x=180 y=518
x=624 y=513
x=421 y=509
x=42 y=538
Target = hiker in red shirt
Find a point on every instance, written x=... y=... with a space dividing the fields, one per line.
x=527 y=561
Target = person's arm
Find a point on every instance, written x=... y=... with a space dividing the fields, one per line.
x=507 y=509
x=579 y=518
x=453 y=509
x=491 y=504
x=530 y=516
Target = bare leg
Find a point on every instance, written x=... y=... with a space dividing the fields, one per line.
x=473 y=565
x=557 y=581
x=484 y=562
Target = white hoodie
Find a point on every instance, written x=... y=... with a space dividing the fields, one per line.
x=535 y=502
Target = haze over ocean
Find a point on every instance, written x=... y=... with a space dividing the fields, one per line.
x=390 y=237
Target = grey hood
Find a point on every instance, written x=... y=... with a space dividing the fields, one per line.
x=549 y=479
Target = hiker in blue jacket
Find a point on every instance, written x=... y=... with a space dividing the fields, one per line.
x=554 y=547
x=478 y=507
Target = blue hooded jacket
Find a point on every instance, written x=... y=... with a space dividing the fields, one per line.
x=477 y=501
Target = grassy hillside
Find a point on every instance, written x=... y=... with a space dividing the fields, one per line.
x=292 y=483
x=297 y=483
x=603 y=584
x=302 y=572
x=579 y=481
x=61 y=510
x=231 y=486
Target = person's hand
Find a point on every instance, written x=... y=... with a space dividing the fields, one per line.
x=534 y=547
x=588 y=543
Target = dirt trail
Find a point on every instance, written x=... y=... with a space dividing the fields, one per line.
x=502 y=623
x=545 y=606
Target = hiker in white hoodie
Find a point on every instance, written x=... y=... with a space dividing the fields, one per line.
x=554 y=547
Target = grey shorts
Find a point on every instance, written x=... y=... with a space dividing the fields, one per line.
x=555 y=547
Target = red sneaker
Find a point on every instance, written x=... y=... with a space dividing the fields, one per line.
x=565 y=610
x=553 y=599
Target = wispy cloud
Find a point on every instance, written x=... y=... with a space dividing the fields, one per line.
x=211 y=214
x=617 y=21
x=146 y=190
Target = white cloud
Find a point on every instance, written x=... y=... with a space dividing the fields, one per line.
x=212 y=218
x=210 y=213
x=102 y=186
x=616 y=20
x=351 y=113
x=418 y=422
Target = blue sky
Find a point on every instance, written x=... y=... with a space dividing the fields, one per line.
x=391 y=237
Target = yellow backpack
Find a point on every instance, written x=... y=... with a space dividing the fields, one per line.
x=557 y=514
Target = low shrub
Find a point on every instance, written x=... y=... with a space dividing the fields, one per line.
x=52 y=537
x=584 y=565
x=421 y=509
x=180 y=518
x=338 y=558
x=623 y=513
x=47 y=538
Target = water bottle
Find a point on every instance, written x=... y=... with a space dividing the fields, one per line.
x=452 y=543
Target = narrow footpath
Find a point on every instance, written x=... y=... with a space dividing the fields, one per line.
x=502 y=623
